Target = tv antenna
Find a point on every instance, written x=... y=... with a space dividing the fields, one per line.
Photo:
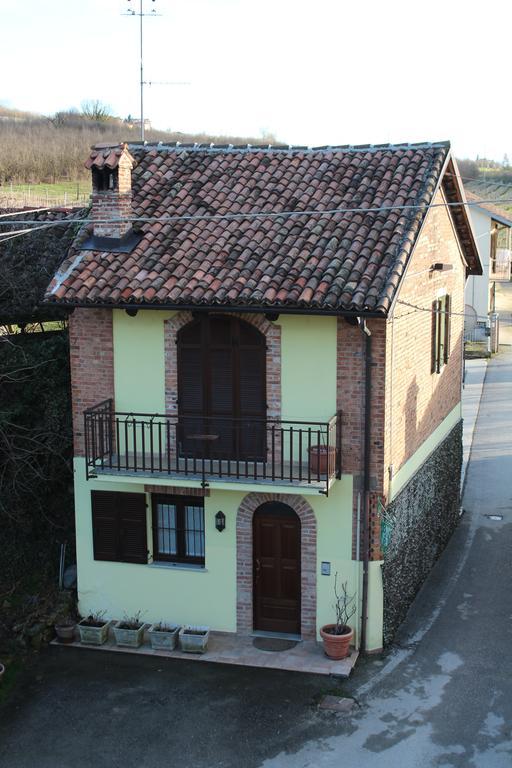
x=141 y=13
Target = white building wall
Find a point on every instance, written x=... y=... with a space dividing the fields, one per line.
x=476 y=294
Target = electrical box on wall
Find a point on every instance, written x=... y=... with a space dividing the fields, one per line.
x=326 y=569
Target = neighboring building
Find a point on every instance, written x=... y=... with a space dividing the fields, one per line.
x=262 y=401
x=492 y=227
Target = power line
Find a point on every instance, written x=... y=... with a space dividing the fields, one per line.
x=431 y=311
x=258 y=214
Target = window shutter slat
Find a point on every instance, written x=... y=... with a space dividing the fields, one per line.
x=447 y=328
x=434 y=368
x=132 y=528
x=104 y=525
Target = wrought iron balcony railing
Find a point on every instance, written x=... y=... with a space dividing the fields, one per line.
x=205 y=448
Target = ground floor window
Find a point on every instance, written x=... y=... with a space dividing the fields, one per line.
x=178 y=529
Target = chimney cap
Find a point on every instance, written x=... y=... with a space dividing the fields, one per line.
x=109 y=155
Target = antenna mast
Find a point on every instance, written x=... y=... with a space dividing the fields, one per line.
x=140 y=13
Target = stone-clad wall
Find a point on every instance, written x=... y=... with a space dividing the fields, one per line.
x=423 y=517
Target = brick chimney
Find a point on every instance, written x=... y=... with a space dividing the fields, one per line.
x=111 y=167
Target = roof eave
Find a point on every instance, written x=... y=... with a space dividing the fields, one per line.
x=254 y=309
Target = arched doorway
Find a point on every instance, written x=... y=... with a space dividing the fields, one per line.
x=222 y=388
x=276 y=569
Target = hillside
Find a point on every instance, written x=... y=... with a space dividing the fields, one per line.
x=35 y=149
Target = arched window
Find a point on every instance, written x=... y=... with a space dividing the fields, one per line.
x=221 y=389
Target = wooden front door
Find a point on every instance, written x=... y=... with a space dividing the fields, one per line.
x=221 y=389
x=276 y=562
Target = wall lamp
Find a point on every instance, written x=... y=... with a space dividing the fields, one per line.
x=220 y=521
x=440 y=267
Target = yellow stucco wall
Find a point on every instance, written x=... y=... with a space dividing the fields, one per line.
x=208 y=596
x=308 y=360
x=202 y=596
x=308 y=376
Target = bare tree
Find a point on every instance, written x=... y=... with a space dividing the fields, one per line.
x=94 y=109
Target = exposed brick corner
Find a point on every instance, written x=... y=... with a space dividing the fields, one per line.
x=92 y=365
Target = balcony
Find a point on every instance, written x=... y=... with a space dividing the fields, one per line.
x=269 y=452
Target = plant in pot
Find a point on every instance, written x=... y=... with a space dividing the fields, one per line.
x=130 y=631
x=338 y=636
x=65 y=630
x=322 y=459
x=194 y=639
x=94 y=629
x=163 y=637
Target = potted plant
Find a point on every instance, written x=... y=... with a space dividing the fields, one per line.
x=65 y=630
x=163 y=637
x=338 y=636
x=322 y=460
x=194 y=639
x=130 y=631
x=94 y=629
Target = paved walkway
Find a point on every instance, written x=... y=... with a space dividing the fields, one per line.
x=306 y=656
x=443 y=696
x=475 y=371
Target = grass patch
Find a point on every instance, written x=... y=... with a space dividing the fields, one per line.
x=73 y=189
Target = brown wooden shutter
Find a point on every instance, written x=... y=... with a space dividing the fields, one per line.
x=133 y=545
x=119 y=526
x=105 y=531
x=434 y=366
x=447 y=328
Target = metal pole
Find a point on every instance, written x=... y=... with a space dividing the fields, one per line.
x=141 y=80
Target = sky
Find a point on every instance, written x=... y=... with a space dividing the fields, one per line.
x=322 y=72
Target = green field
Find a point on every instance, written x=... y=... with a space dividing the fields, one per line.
x=73 y=189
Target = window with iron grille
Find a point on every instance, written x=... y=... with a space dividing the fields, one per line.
x=178 y=529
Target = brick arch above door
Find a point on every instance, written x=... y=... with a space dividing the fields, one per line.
x=272 y=333
x=244 y=555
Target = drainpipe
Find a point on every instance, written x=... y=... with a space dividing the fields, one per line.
x=365 y=506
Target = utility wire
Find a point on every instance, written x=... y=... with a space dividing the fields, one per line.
x=256 y=215
x=431 y=311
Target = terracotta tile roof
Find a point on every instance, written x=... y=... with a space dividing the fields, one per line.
x=27 y=262
x=312 y=259
x=491 y=208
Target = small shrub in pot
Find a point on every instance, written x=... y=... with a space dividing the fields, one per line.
x=130 y=631
x=163 y=637
x=338 y=636
x=94 y=629
x=194 y=639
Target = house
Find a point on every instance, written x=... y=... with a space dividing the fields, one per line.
x=493 y=234
x=266 y=350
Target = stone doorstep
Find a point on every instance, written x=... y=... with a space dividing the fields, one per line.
x=306 y=656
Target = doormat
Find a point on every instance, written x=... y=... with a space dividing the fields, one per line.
x=273 y=644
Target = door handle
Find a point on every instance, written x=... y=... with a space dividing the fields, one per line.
x=258 y=568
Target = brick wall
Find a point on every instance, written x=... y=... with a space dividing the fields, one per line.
x=92 y=365
x=111 y=205
x=417 y=399
x=408 y=401
x=350 y=399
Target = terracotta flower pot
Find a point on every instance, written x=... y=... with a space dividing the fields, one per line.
x=336 y=646
x=322 y=460
x=65 y=632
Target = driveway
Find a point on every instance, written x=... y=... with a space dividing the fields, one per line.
x=441 y=697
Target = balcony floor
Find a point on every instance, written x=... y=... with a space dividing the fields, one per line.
x=216 y=471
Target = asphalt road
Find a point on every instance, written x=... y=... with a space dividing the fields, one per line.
x=442 y=696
